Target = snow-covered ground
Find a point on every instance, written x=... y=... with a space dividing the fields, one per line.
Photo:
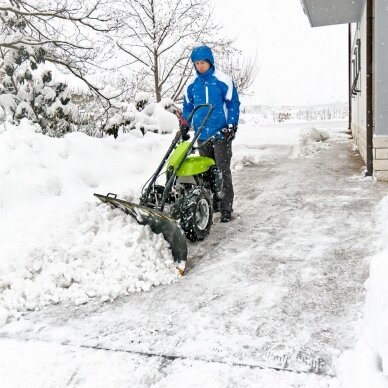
x=367 y=364
x=59 y=245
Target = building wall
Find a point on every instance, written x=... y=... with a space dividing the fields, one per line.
x=380 y=138
x=359 y=100
x=380 y=157
x=381 y=67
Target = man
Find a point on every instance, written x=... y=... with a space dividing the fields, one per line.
x=211 y=86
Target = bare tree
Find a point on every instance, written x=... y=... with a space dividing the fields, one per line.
x=159 y=36
x=66 y=33
x=242 y=70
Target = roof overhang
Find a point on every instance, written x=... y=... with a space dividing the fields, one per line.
x=330 y=12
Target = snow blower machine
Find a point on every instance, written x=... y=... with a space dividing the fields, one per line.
x=182 y=208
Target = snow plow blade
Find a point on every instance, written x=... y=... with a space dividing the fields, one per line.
x=157 y=221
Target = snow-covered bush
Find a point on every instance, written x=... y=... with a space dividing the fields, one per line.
x=28 y=92
x=36 y=97
x=158 y=117
x=141 y=100
x=88 y=114
x=25 y=91
x=8 y=105
x=70 y=39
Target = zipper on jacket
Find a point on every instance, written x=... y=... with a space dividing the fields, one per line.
x=207 y=94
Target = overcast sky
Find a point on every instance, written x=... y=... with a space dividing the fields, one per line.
x=298 y=64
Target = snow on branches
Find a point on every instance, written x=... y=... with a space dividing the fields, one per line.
x=159 y=117
x=158 y=35
x=116 y=48
x=69 y=35
x=39 y=99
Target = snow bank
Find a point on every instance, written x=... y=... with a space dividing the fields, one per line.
x=258 y=144
x=367 y=364
x=158 y=117
x=57 y=242
x=34 y=166
x=311 y=141
x=254 y=119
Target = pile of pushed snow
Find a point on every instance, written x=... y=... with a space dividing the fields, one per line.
x=58 y=243
x=99 y=253
x=367 y=364
x=311 y=140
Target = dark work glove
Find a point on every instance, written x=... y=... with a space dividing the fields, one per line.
x=230 y=132
x=184 y=129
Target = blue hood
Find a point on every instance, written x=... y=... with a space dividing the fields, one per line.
x=202 y=53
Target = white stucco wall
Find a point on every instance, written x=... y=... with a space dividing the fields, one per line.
x=380 y=81
x=381 y=67
x=359 y=101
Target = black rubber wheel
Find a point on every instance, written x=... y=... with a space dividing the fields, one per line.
x=197 y=214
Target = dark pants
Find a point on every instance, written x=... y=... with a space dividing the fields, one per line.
x=221 y=152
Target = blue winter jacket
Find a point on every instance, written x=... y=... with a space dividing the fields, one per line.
x=213 y=87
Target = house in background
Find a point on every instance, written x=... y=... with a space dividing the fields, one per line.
x=368 y=72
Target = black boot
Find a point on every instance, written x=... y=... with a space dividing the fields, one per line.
x=226 y=216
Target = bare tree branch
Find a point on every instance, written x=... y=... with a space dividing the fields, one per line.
x=62 y=32
x=242 y=70
x=26 y=9
x=162 y=37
